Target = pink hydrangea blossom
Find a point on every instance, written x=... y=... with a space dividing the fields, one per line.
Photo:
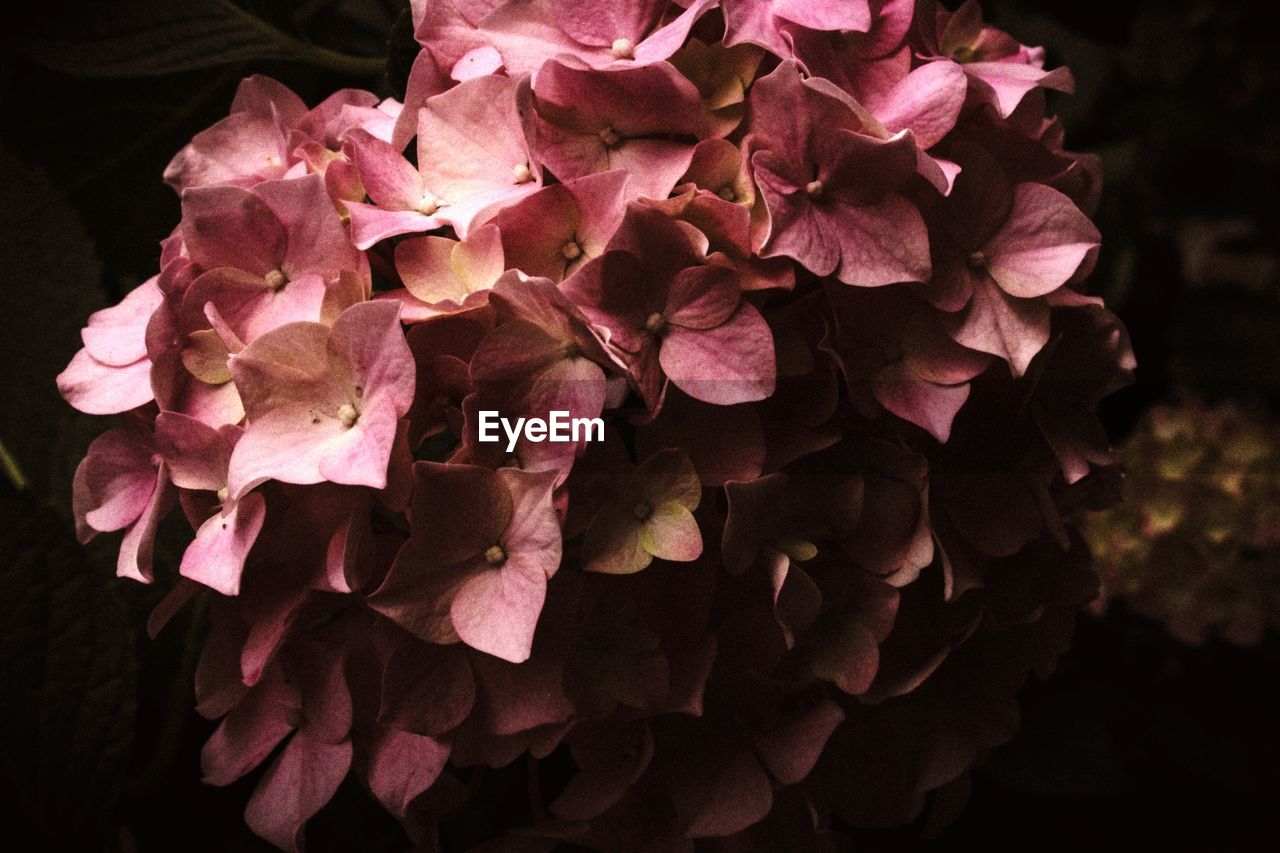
x=817 y=270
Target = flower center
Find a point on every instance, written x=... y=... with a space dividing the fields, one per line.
x=814 y=188
x=495 y=556
x=275 y=279
x=348 y=415
x=571 y=250
x=622 y=49
x=610 y=137
x=642 y=511
x=522 y=174
x=728 y=193
x=977 y=261
x=223 y=494
x=429 y=204
x=655 y=324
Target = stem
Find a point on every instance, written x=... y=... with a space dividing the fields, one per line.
x=533 y=782
x=12 y=469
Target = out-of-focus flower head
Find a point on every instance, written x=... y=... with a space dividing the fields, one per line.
x=1197 y=545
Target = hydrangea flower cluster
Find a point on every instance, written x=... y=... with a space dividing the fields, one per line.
x=817 y=267
x=1198 y=546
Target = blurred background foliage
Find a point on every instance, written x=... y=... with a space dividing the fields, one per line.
x=1139 y=737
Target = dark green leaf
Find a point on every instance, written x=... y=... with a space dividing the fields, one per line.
x=140 y=38
x=52 y=281
x=68 y=678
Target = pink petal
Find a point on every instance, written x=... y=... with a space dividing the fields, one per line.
x=880 y=243
x=931 y=407
x=101 y=389
x=732 y=363
x=134 y=560
x=249 y=306
x=854 y=15
x=370 y=224
x=359 y=456
x=232 y=227
x=497 y=610
x=115 y=481
x=927 y=102
x=315 y=239
x=391 y=181
x=196 y=453
x=1005 y=326
x=792 y=749
x=296 y=786
x=249 y=733
x=216 y=557
x=470 y=141
x=592 y=23
x=702 y=297
x=368 y=340
x=117 y=336
x=1042 y=244
x=402 y=766
x=1009 y=82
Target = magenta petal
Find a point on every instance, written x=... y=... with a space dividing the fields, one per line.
x=796 y=229
x=196 y=453
x=931 y=407
x=702 y=297
x=216 y=557
x=232 y=227
x=390 y=180
x=881 y=243
x=1005 y=326
x=296 y=786
x=1009 y=82
x=402 y=766
x=927 y=102
x=248 y=734
x=1042 y=244
x=732 y=363
x=114 y=482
